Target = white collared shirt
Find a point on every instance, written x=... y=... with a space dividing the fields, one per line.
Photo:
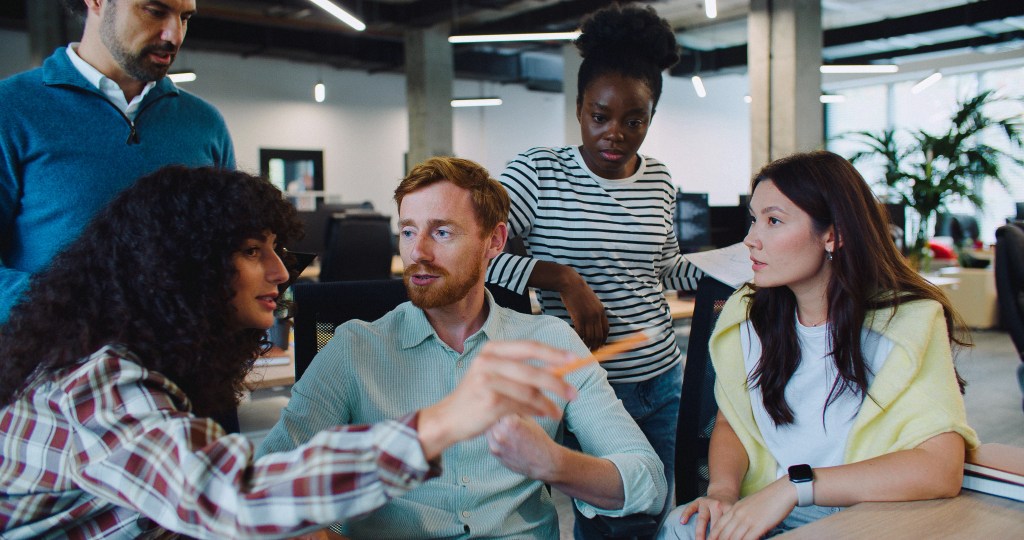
x=107 y=85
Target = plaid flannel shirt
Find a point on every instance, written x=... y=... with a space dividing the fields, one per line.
x=109 y=449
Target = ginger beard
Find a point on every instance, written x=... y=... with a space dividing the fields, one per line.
x=450 y=288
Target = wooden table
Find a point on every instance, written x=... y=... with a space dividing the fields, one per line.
x=273 y=375
x=969 y=515
x=681 y=308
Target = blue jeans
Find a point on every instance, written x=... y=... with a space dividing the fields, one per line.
x=673 y=530
x=654 y=404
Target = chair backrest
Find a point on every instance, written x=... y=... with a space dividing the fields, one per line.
x=322 y=307
x=359 y=247
x=962 y=228
x=1009 y=269
x=697 y=407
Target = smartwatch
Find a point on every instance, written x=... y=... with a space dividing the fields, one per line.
x=802 y=476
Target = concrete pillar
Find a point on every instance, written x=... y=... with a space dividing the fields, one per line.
x=783 y=57
x=49 y=27
x=429 y=72
x=571 y=61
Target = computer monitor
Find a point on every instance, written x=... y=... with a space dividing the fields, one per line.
x=692 y=222
x=317 y=222
x=729 y=224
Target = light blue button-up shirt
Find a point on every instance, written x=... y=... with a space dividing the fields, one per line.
x=375 y=371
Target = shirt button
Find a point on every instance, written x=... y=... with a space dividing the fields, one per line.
x=465 y=479
x=459 y=364
x=465 y=514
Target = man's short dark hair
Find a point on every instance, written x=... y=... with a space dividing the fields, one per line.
x=74 y=7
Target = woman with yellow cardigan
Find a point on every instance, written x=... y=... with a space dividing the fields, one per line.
x=835 y=373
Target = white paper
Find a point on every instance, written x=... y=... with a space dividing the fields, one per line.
x=730 y=265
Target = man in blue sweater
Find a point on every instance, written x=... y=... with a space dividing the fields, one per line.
x=97 y=115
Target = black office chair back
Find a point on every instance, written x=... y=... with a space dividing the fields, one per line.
x=1009 y=269
x=359 y=247
x=697 y=407
x=322 y=307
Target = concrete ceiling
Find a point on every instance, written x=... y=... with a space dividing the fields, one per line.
x=856 y=31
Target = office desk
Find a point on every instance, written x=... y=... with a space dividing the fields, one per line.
x=681 y=308
x=969 y=515
x=273 y=375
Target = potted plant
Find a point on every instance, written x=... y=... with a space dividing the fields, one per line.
x=932 y=167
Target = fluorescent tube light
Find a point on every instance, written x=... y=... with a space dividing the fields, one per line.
x=319 y=92
x=832 y=98
x=862 y=68
x=711 y=8
x=340 y=14
x=494 y=38
x=925 y=83
x=182 y=77
x=698 y=86
x=476 y=102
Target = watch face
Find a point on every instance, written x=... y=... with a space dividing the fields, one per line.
x=800 y=473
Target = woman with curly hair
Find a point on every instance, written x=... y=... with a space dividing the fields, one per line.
x=145 y=326
x=597 y=219
x=835 y=378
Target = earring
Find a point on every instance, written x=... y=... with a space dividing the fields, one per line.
x=828 y=255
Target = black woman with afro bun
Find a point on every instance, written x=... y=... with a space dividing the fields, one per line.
x=146 y=325
x=597 y=220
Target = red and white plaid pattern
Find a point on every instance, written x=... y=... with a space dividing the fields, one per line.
x=110 y=450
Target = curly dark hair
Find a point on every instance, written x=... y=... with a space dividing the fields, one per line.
x=632 y=41
x=153 y=272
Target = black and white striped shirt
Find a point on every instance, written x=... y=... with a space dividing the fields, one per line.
x=617 y=234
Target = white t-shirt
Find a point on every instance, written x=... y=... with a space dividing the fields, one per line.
x=812 y=439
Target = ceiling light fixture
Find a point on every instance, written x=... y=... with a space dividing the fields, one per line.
x=861 y=68
x=319 y=92
x=340 y=14
x=182 y=77
x=698 y=86
x=925 y=83
x=832 y=98
x=494 y=38
x=711 y=8
x=476 y=102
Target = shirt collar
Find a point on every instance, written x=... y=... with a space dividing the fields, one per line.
x=418 y=328
x=105 y=84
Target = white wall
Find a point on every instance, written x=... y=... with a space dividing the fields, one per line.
x=362 y=126
x=704 y=141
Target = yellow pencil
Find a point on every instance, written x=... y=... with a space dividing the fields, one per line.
x=604 y=353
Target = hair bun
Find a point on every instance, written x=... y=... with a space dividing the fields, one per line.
x=630 y=32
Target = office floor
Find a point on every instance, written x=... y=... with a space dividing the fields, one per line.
x=993 y=401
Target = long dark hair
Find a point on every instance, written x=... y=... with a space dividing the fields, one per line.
x=868 y=273
x=152 y=272
x=632 y=41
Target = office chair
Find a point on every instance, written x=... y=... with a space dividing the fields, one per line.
x=697 y=407
x=697 y=411
x=962 y=228
x=322 y=307
x=359 y=247
x=1009 y=271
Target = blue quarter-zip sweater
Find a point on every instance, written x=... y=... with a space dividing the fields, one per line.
x=66 y=151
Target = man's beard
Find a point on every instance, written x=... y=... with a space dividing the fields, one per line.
x=136 y=65
x=441 y=294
